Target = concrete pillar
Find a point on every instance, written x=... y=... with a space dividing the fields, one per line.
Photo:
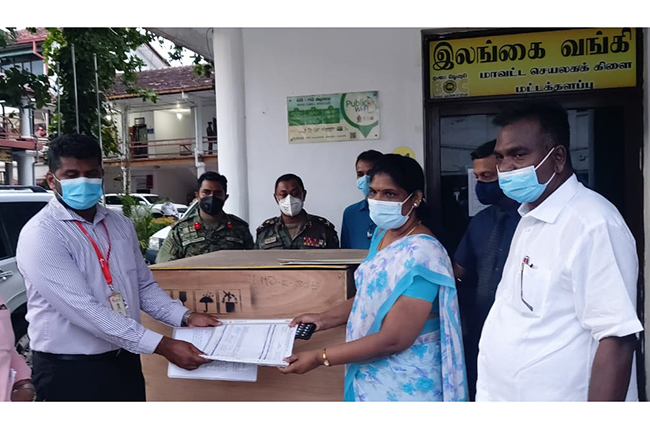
x=126 y=152
x=198 y=136
x=25 y=161
x=25 y=119
x=231 y=122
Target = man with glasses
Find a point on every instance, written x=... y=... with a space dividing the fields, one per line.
x=563 y=325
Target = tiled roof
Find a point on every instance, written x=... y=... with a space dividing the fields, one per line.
x=25 y=36
x=165 y=80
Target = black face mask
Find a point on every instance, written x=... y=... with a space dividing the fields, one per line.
x=489 y=192
x=211 y=205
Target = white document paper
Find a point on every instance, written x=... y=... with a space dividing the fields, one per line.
x=474 y=206
x=259 y=342
x=216 y=370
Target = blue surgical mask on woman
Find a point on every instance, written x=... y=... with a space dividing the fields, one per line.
x=363 y=183
x=387 y=215
x=522 y=185
x=489 y=192
x=80 y=193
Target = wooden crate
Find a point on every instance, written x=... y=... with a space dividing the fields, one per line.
x=263 y=289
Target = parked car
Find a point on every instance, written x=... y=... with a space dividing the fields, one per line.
x=18 y=204
x=153 y=201
x=156 y=240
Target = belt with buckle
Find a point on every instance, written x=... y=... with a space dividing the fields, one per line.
x=67 y=357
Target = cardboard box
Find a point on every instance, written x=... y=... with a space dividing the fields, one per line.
x=254 y=285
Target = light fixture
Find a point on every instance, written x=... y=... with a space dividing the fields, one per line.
x=108 y=117
x=179 y=115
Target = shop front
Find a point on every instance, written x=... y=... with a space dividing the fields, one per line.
x=595 y=74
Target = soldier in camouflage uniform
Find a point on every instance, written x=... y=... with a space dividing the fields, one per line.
x=294 y=228
x=207 y=228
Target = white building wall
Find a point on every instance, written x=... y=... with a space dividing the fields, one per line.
x=168 y=125
x=290 y=62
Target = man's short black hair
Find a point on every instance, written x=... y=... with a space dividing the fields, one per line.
x=76 y=146
x=288 y=177
x=372 y=156
x=550 y=115
x=213 y=176
x=484 y=150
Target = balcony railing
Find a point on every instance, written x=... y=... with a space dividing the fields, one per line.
x=173 y=148
x=9 y=128
x=12 y=136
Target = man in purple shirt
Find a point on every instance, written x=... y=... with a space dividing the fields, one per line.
x=86 y=284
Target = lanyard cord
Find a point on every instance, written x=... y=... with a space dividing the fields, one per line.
x=103 y=263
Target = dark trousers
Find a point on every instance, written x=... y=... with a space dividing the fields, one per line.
x=115 y=376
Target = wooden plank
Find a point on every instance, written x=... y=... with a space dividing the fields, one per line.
x=262 y=259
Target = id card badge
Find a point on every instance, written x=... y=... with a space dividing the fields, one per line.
x=117 y=303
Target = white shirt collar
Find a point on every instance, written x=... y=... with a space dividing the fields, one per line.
x=550 y=209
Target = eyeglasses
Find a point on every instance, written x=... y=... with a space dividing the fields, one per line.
x=524 y=262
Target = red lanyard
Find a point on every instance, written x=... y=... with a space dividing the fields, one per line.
x=103 y=263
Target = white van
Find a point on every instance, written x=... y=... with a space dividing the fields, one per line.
x=18 y=204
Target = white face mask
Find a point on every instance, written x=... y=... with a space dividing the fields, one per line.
x=290 y=205
x=387 y=215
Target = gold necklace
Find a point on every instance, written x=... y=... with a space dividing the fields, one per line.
x=406 y=235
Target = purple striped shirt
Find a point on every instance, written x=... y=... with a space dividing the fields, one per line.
x=67 y=296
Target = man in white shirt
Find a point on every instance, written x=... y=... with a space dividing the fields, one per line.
x=563 y=325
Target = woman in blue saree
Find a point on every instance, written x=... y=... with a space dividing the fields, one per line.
x=403 y=336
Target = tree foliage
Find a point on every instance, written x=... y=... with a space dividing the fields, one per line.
x=114 y=48
x=16 y=83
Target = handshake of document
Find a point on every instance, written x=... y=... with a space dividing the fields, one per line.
x=237 y=348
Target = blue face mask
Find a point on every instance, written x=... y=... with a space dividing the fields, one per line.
x=388 y=214
x=81 y=193
x=489 y=192
x=522 y=185
x=363 y=183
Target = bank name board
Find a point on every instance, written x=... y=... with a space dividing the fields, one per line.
x=540 y=62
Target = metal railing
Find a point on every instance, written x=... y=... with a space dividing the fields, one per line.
x=10 y=128
x=173 y=148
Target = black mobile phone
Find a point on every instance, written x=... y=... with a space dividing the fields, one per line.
x=304 y=330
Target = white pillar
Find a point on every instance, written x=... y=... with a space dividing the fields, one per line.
x=126 y=149
x=25 y=118
x=25 y=162
x=231 y=122
x=198 y=136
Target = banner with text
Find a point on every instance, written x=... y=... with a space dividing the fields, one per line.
x=334 y=117
x=541 y=62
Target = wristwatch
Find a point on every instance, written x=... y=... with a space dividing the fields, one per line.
x=185 y=321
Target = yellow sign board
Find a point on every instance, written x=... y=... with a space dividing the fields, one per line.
x=5 y=155
x=525 y=63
